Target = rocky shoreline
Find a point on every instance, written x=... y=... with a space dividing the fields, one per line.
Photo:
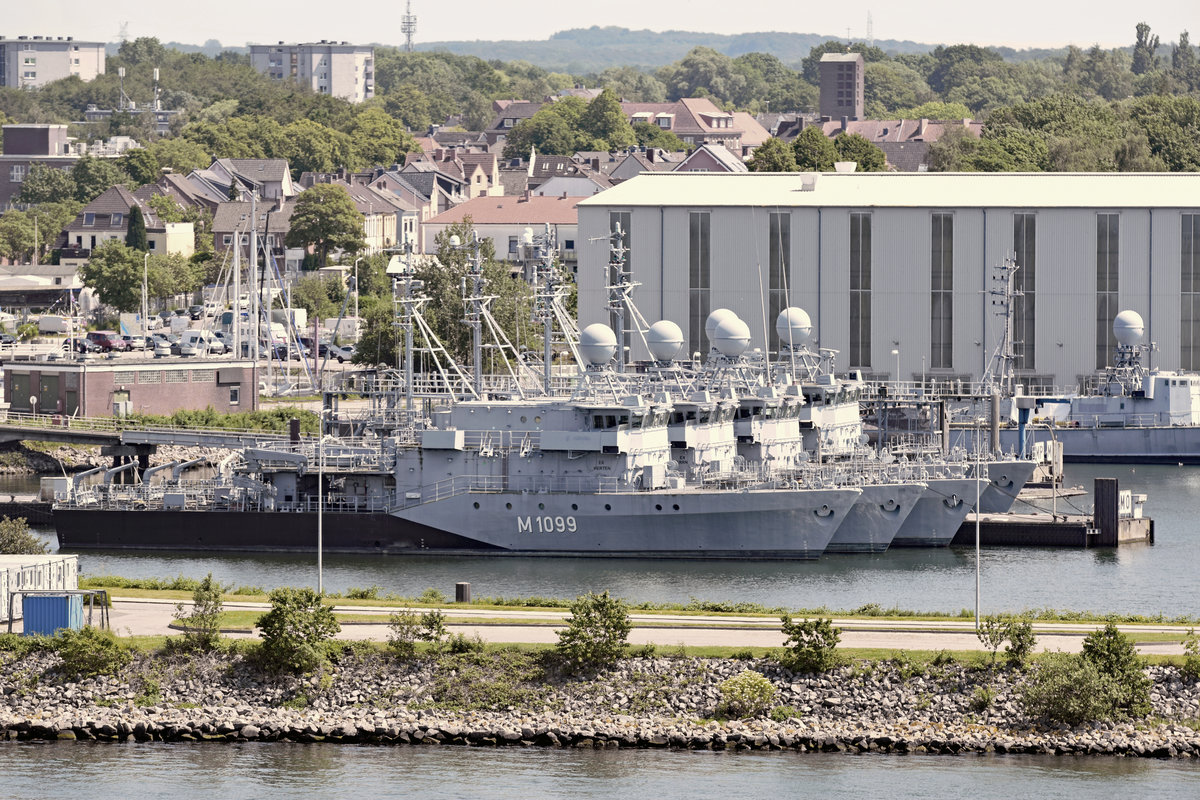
x=644 y=702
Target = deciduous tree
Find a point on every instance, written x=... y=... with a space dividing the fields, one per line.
x=853 y=147
x=46 y=184
x=773 y=155
x=814 y=151
x=115 y=272
x=326 y=219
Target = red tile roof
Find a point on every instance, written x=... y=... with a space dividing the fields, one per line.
x=508 y=210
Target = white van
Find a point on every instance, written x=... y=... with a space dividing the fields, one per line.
x=200 y=342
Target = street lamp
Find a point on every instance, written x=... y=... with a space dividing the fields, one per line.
x=360 y=258
x=321 y=503
x=145 y=306
x=896 y=353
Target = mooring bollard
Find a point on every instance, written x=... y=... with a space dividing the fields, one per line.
x=462 y=593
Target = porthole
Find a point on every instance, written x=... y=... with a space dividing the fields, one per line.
x=574 y=507
x=477 y=505
x=676 y=506
x=658 y=506
x=522 y=418
x=541 y=506
x=607 y=507
x=537 y=419
x=508 y=506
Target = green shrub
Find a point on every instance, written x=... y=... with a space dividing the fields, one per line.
x=748 y=694
x=597 y=631
x=983 y=698
x=458 y=643
x=295 y=630
x=202 y=624
x=1068 y=688
x=88 y=652
x=405 y=631
x=783 y=713
x=1021 y=639
x=1191 y=656
x=742 y=655
x=368 y=593
x=991 y=634
x=1116 y=659
x=432 y=597
x=811 y=645
x=17 y=540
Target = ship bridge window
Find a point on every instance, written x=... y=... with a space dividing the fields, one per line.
x=704 y=417
x=598 y=421
x=676 y=417
x=624 y=422
x=744 y=413
x=637 y=421
x=691 y=416
x=768 y=412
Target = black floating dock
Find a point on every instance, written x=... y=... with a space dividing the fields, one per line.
x=1106 y=528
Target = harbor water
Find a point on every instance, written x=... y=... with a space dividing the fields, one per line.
x=268 y=771
x=1145 y=579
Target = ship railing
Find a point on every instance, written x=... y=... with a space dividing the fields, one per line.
x=489 y=442
x=1121 y=420
x=524 y=484
x=194 y=495
x=339 y=503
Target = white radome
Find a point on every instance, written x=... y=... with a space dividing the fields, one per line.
x=731 y=337
x=1129 y=328
x=597 y=344
x=793 y=326
x=715 y=317
x=664 y=338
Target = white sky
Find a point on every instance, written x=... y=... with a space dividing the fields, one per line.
x=1017 y=23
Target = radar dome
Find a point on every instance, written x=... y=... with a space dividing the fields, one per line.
x=1128 y=328
x=597 y=343
x=714 y=319
x=793 y=327
x=731 y=337
x=664 y=340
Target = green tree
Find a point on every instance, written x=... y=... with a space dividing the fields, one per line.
x=1145 y=51
x=853 y=147
x=326 y=219
x=312 y=147
x=51 y=219
x=296 y=629
x=890 y=87
x=814 y=151
x=16 y=235
x=605 y=120
x=811 y=67
x=597 y=631
x=93 y=176
x=547 y=132
x=1115 y=657
x=379 y=340
x=135 y=236
x=45 y=184
x=651 y=135
x=810 y=645
x=1183 y=63
x=202 y=621
x=773 y=155
x=17 y=540
x=179 y=154
x=704 y=72
x=141 y=166
x=747 y=694
x=115 y=272
x=378 y=139
x=936 y=110
x=633 y=85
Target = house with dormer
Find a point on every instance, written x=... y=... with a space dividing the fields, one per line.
x=695 y=120
x=267 y=178
x=107 y=217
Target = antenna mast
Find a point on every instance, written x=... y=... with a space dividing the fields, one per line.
x=408 y=26
x=870 y=30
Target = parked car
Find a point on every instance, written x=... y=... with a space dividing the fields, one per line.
x=81 y=345
x=108 y=341
x=196 y=312
x=7 y=340
x=165 y=316
x=280 y=352
x=180 y=312
x=137 y=342
x=342 y=354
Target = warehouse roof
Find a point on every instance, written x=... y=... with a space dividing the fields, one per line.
x=907 y=190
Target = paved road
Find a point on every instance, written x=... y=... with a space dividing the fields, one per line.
x=150 y=617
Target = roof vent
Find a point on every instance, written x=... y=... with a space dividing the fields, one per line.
x=845 y=166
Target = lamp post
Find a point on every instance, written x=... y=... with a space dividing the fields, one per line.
x=321 y=503
x=896 y=353
x=145 y=305
x=360 y=258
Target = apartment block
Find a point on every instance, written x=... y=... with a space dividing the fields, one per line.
x=31 y=61
x=339 y=69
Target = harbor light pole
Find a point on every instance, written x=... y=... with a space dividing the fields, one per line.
x=896 y=353
x=321 y=503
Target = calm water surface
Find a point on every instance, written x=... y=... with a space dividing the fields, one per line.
x=268 y=771
x=1162 y=578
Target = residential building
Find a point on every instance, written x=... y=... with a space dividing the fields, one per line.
x=26 y=145
x=266 y=178
x=711 y=158
x=107 y=217
x=234 y=221
x=886 y=262
x=504 y=220
x=338 y=69
x=905 y=142
x=28 y=62
x=842 y=85
x=509 y=113
x=28 y=286
x=695 y=120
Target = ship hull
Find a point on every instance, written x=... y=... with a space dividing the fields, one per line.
x=777 y=524
x=875 y=518
x=938 y=515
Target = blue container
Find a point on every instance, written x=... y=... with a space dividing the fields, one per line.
x=45 y=614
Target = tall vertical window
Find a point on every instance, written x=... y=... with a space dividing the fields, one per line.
x=620 y=220
x=860 y=290
x=941 y=287
x=1025 y=281
x=779 y=248
x=1189 y=292
x=1108 y=245
x=699 y=283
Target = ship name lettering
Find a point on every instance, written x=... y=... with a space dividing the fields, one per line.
x=547 y=524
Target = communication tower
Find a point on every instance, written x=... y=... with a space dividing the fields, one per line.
x=408 y=24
